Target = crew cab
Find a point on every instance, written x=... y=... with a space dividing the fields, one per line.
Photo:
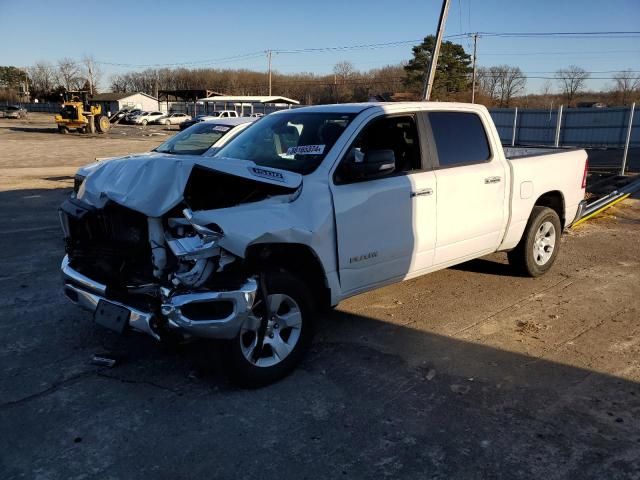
x=301 y=210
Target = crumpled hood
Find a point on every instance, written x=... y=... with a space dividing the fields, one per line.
x=153 y=184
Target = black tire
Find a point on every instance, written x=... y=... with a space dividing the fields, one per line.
x=144 y=122
x=82 y=130
x=62 y=129
x=524 y=258
x=249 y=375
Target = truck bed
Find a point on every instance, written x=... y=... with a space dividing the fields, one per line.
x=516 y=153
x=536 y=171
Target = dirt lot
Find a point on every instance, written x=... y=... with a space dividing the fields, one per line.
x=470 y=372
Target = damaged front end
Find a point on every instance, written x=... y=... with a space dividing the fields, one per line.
x=166 y=275
x=133 y=248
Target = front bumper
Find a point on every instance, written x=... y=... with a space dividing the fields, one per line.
x=194 y=313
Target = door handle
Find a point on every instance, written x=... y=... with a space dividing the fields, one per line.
x=423 y=192
x=490 y=180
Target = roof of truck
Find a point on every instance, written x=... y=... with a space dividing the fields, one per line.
x=359 y=107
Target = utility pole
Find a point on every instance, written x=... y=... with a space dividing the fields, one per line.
x=269 y=57
x=475 y=65
x=433 y=61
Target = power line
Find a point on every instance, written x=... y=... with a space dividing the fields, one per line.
x=373 y=46
x=244 y=56
x=560 y=53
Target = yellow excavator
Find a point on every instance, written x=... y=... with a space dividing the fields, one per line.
x=82 y=117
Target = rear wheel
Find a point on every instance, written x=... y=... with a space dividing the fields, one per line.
x=540 y=243
x=287 y=337
x=144 y=123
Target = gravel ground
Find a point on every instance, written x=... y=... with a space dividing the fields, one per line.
x=470 y=372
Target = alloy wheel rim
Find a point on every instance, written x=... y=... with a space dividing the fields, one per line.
x=282 y=334
x=544 y=243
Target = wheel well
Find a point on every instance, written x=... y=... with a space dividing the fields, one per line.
x=298 y=259
x=555 y=201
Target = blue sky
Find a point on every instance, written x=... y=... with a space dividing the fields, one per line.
x=163 y=32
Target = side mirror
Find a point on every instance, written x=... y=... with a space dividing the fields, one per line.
x=375 y=164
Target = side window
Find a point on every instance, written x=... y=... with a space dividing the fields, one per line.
x=397 y=133
x=460 y=138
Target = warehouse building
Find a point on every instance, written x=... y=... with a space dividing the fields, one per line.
x=113 y=102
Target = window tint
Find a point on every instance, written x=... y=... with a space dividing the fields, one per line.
x=460 y=138
x=399 y=134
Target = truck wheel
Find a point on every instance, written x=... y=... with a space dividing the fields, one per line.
x=63 y=130
x=540 y=243
x=287 y=338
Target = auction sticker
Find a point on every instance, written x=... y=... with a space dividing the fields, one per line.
x=306 y=150
x=221 y=128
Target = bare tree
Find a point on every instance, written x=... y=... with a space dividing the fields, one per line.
x=571 y=80
x=546 y=89
x=69 y=74
x=344 y=70
x=92 y=72
x=488 y=81
x=625 y=83
x=501 y=83
x=43 y=78
x=511 y=81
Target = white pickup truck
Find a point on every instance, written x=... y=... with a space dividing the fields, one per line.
x=301 y=210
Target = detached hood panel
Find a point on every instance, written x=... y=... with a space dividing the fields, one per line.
x=154 y=184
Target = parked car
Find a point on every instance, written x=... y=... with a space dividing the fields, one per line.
x=122 y=114
x=205 y=139
x=13 y=111
x=173 y=119
x=145 y=117
x=133 y=113
x=209 y=116
x=302 y=210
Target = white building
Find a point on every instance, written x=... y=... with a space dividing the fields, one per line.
x=113 y=102
x=246 y=104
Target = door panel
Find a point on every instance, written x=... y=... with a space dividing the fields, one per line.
x=470 y=216
x=385 y=228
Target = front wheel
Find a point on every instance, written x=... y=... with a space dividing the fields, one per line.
x=144 y=123
x=287 y=337
x=540 y=243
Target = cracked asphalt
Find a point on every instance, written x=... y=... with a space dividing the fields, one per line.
x=467 y=373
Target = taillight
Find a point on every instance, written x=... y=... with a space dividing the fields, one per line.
x=584 y=175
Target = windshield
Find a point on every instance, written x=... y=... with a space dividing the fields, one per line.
x=194 y=140
x=292 y=141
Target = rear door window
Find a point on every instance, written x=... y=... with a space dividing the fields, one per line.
x=460 y=138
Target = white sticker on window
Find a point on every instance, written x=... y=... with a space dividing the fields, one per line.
x=306 y=150
x=221 y=128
